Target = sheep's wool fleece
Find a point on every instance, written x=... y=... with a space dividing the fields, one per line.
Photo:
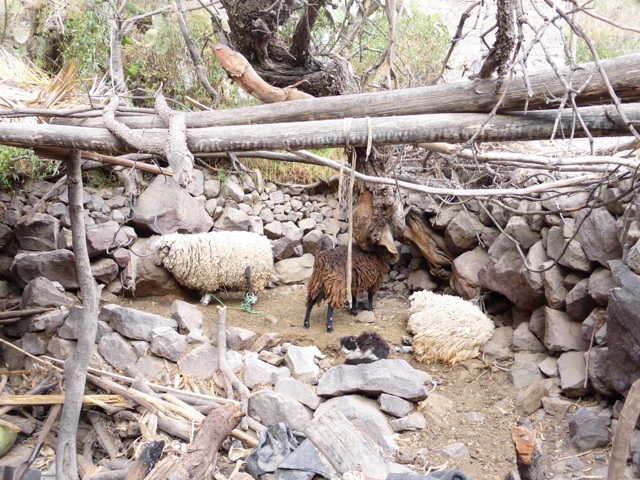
x=445 y=328
x=207 y=262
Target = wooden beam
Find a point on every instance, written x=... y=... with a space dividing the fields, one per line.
x=408 y=129
x=542 y=90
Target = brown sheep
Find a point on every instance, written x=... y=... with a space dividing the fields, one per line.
x=329 y=279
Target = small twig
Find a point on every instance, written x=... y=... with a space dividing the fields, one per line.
x=226 y=369
x=103 y=436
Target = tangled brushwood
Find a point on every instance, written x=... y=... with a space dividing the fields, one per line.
x=208 y=262
x=329 y=279
x=445 y=328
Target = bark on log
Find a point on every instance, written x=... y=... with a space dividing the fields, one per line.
x=528 y=455
x=410 y=129
x=203 y=451
x=624 y=432
x=345 y=447
x=543 y=92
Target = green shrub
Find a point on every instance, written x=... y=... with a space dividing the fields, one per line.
x=18 y=165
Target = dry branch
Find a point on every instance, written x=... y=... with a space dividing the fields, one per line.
x=56 y=399
x=203 y=451
x=409 y=129
x=542 y=90
x=624 y=432
x=246 y=77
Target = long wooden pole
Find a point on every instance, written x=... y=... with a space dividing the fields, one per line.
x=409 y=129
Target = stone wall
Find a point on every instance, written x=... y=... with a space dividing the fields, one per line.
x=576 y=292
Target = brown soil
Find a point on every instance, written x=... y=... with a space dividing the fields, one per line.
x=473 y=401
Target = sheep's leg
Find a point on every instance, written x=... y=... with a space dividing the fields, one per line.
x=329 y=319
x=206 y=298
x=370 y=301
x=247 y=276
x=310 y=303
x=354 y=310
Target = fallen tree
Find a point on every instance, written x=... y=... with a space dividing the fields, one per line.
x=408 y=129
x=540 y=90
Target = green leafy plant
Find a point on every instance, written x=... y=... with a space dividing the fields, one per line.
x=86 y=39
x=18 y=165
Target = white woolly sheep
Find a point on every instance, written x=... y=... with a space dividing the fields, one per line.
x=207 y=262
x=445 y=328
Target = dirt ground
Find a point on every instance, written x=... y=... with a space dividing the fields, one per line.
x=472 y=402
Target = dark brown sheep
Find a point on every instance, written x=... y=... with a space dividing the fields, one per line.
x=329 y=279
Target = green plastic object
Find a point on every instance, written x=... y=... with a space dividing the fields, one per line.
x=7 y=439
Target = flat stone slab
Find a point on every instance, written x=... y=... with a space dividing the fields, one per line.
x=395 y=377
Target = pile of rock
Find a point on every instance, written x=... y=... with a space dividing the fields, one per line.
x=290 y=384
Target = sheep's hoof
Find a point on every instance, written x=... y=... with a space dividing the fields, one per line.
x=329 y=329
x=306 y=325
x=354 y=312
x=206 y=298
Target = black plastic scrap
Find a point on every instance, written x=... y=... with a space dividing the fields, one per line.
x=280 y=452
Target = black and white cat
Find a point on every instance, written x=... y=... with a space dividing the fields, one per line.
x=366 y=348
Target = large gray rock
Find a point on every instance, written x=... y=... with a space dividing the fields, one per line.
x=519 y=229
x=554 y=287
x=394 y=406
x=499 y=345
x=600 y=283
x=536 y=259
x=117 y=351
x=43 y=293
x=201 y=362
x=579 y=303
x=573 y=256
x=188 y=316
x=464 y=273
x=258 y=373
x=571 y=367
x=525 y=341
x=316 y=241
x=105 y=236
x=233 y=219
x=165 y=207
x=597 y=235
x=588 y=430
x=39 y=233
x=599 y=369
x=104 y=270
x=365 y=415
x=562 y=333
x=294 y=270
x=239 y=339
x=167 y=343
x=623 y=328
x=395 y=377
x=299 y=391
x=57 y=266
x=463 y=232
x=144 y=275
x=133 y=323
x=72 y=327
x=302 y=364
x=274 y=407
x=503 y=273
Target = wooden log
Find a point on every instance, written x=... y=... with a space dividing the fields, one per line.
x=58 y=399
x=23 y=313
x=203 y=451
x=408 y=129
x=543 y=91
x=624 y=433
x=345 y=447
x=147 y=461
x=528 y=454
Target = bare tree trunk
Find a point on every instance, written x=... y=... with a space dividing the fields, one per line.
x=76 y=367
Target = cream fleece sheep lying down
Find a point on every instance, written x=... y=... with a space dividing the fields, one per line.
x=445 y=328
x=211 y=261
